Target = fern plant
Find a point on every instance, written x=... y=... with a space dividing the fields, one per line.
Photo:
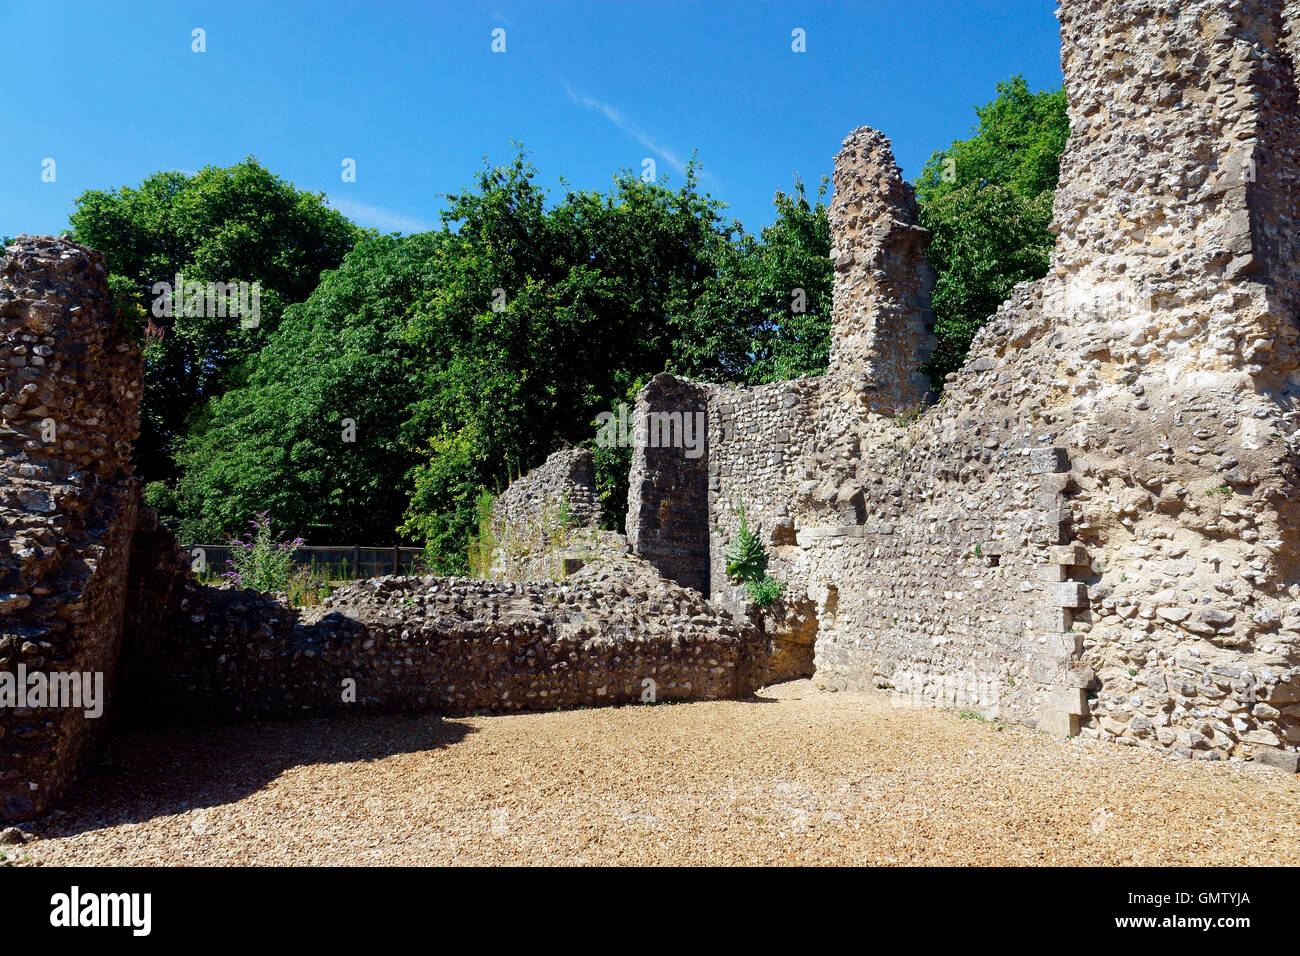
x=746 y=556
x=747 y=562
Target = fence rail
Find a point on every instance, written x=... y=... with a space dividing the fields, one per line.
x=355 y=561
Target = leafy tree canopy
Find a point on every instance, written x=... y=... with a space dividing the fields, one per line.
x=764 y=316
x=312 y=434
x=240 y=223
x=987 y=201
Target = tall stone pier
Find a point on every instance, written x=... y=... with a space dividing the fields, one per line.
x=69 y=400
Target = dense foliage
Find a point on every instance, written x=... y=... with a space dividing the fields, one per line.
x=987 y=201
x=468 y=354
x=218 y=225
x=314 y=432
x=765 y=315
x=394 y=382
x=540 y=319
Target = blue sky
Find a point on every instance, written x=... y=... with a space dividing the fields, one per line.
x=413 y=92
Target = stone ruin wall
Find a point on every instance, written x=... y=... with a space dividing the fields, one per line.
x=69 y=398
x=546 y=524
x=668 y=488
x=610 y=632
x=453 y=645
x=757 y=441
x=1095 y=527
x=913 y=561
x=567 y=477
x=1174 y=287
x=882 y=324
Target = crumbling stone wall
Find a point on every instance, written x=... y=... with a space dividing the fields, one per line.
x=69 y=398
x=610 y=634
x=1095 y=528
x=668 y=487
x=567 y=477
x=758 y=438
x=546 y=524
x=1179 y=392
x=882 y=324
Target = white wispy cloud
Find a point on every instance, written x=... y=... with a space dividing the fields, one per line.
x=616 y=117
x=378 y=217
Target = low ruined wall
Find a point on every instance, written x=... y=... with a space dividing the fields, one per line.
x=69 y=398
x=440 y=644
x=565 y=481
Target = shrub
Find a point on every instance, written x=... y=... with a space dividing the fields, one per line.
x=159 y=496
x=306 y=587
x=766 y=591
x=261 y=560
x=483 y=547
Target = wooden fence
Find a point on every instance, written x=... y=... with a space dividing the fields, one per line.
x=341 y=561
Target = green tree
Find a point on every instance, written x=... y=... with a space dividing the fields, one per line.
x=240 y=223
x=764 y=316
x=542 y=319
x=987 y=201
x=313 y=434
x=463 y=355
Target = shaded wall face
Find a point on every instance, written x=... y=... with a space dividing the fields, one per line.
x=69 y=395
x=668 y=488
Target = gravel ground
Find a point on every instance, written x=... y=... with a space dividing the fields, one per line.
x=793 y=776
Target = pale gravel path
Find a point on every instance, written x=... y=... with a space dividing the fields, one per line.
x=797 y=776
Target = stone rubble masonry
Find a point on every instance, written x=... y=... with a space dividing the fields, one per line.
x=668 y=489
x=607 y=635
x=1095 y=529
x=546 y=524
x=881 y=328
x=567 y=476
x=69 y=400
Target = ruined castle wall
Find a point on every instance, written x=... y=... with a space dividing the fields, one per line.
x=1174 y=281
x=453 y=645
x=758 y=438
x=566 y=480
x=882 y=324
x=1155 y=357
x=69 y=398
x=1096 y=528
x=954 y=590
x=668 y=487
x=546 y=524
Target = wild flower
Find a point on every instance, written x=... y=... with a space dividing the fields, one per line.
x=261 y=560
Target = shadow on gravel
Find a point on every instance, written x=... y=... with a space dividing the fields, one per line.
x=147 y=774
